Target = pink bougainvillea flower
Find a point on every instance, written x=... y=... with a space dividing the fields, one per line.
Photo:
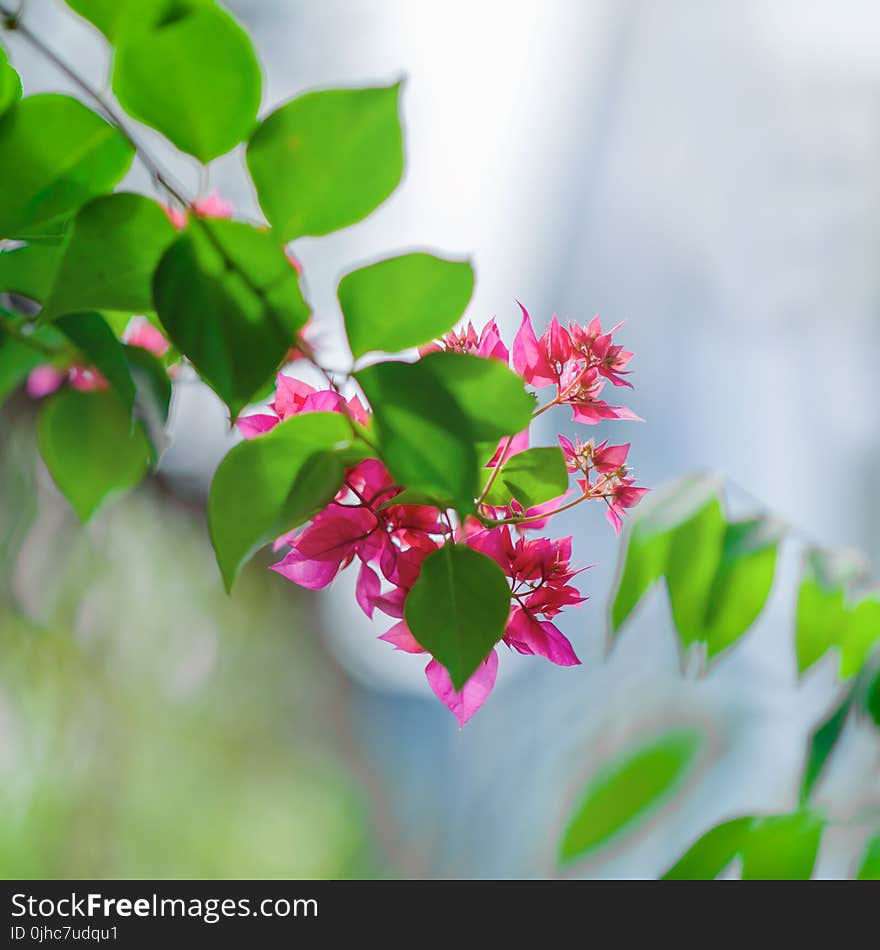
x=598 y=348
x=488 y=344
x=473 y=694
x=213 y=205
x=580 y=387
x=624 y=494
x=140 y=332
x=43 y=380
x=518 y=443
x=86 y=379
x=530 y=358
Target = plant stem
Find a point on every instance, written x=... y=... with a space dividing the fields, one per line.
x=11 y=328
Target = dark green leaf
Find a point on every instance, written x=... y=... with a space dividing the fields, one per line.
x=30 y=270
x=782 y=847
x=492 y=398
x=821 y=744
x=230 y=301
x=10 y=84
x=872 y=699
x=625 y=791
x=403 y=301
x=91 y=335
x=424 y=437
x=195 y=78
x=711 y=853
x=327 y=159
x=269 y=485
x=457 y=608
x=16 y=361
x=115 y=244
x=869 y=869
x=150 y=376
x=643 y=560
x=531 y=477
x=90 y=447
x=55 y=154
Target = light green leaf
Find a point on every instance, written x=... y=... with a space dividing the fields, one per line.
x=531 y=477
x=822 y=609
x=403 y=301
x=643 y=559
x=91 y=335
x=424 y=437
x=195 y=78
x=782 y=847
x=859 y=635
x=119 y=18
x=10 y=84
x=30 y=270
x=327 y=159
x=55 y=154
x=90 y=447
x=624 y=792
x=712 y=853
x=269 y=485
x=457 y=608
x=869 y=869
x=229 y=300
x=115 y=244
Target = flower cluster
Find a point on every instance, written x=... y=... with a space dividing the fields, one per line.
x=390 y=541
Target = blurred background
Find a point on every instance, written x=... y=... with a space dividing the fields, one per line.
x=705 y=171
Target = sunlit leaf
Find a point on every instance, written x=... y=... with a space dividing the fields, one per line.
x=327 y=159
x=30 y=270
x=458 y=608
x=90 y=447
x=10 y=83
x=709 y=855
x=55 y=154
x=869 y=868
x=625 y=791
x=269 y=485
x=118 y=18
x=531 y=477
x=403 y=301
x=782 y=847
x=193 y=77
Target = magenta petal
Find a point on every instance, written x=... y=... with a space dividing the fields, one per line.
x=473 y=694
x=529 y=359
x=252 y=426
x=400 y=638
x=43 y=380
x=526 y=634
x=313 y=575
x=367 y=589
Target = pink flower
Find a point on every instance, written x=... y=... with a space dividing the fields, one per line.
x=211 y=205
x=540 y=573
x=622 y=495
x=473 y=694
x=598 y=348
x=86 y=379
x=530 y=358
x=488 y=344
x=140 y=332
x=43 y=380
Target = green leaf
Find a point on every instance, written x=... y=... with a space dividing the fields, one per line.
x=457 y=609
x=742 y=581
x=269 y=485
x=782 y=847
x=872 y=698
x=150 y=375
x=327 y=159
x=17 y=359
x=230 y=301
x=822 y=609
x=403 y=301
x=623 y=792
x=492 y=398
x=55 y=154
x=115 y=244
x=30 y=270
x=859 y=635
x=531 y=477
x=119 y=18
x=10 y=84
x=91 y=335
x=712 y=853
x=869 y=869
x=643 y=559
x=90 y=447
x=424 y=437
x=821 y=744
x=195 y=78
